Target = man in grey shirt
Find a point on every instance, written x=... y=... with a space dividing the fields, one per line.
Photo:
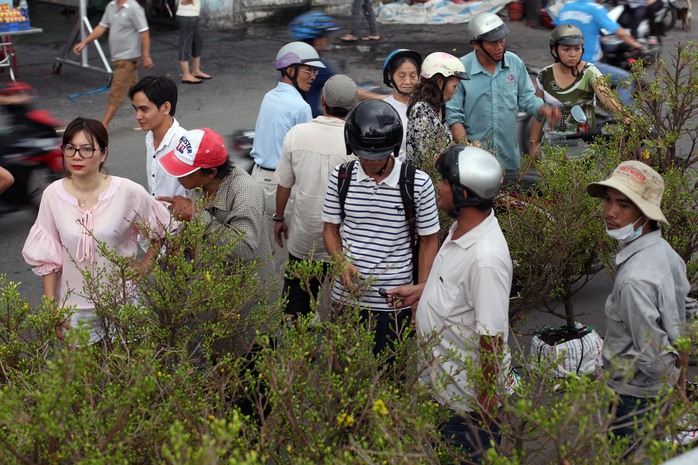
x=129 y=41
x=646 y=310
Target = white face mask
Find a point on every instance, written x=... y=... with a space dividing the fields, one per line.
x=627 y=233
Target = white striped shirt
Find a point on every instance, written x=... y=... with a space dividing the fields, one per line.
x=375 y=234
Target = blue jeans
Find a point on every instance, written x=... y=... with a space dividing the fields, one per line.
x=619 y=76
x=467 y=434
x=629 y=413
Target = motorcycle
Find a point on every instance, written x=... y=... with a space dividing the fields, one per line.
x=30 y=149
x=619 y=54
x=667 y=15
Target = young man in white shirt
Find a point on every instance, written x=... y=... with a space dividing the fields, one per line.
x=155 y=101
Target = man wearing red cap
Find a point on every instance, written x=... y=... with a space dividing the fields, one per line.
x=646 y=311
x=226 y=199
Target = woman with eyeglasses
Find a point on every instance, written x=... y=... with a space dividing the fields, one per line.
x=81 y=209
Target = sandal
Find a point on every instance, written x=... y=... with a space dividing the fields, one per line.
x=348 y=38
x=371 y=38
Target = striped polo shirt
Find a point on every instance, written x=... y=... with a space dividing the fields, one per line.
x=375 y=234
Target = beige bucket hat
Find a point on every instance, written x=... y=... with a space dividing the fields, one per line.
x=640 y=183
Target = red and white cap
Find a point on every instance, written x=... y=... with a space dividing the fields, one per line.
x=198 y=148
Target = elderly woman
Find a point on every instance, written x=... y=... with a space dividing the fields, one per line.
x=401 y=72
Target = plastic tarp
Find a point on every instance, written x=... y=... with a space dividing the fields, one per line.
x=436 y=11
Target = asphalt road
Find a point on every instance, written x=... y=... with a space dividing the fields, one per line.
x=240 y=60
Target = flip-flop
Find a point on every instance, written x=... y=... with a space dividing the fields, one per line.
x=348 y=39
x=202 y=77
x=371 y=38
x=191 y=82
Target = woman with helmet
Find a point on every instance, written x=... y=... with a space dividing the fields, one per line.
x=427 y=132
x=401 y=72
x=569 y=82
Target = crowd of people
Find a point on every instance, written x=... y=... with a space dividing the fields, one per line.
x=342 y=176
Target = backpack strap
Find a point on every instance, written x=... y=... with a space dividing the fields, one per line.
x=344 y=179
x=406 y=183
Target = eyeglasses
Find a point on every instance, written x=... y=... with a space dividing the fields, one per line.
x=312 y=72
x=85 y=151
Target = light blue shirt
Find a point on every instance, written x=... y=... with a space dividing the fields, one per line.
x=282 y=108
x=645 y=315
x=487 y=105
x=590 y=18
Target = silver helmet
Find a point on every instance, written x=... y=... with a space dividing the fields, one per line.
x=488 y=27
x=297 y=53
x=472 y=170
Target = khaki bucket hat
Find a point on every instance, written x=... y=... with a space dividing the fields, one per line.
x=640 y=183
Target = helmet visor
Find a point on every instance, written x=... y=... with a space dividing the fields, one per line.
x=314 y=62
x=495 y=34
x=570 y=40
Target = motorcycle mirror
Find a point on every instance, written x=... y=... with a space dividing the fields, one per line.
x=578 y=114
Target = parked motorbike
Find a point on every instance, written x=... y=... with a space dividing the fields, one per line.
x=29 y=149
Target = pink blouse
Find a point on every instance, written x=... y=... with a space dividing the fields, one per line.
x=63 y=236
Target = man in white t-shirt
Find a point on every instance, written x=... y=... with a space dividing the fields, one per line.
x=465 y=302
x=310 y=152
x=155 y=101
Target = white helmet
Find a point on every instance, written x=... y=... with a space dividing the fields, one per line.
x=445 y=64
x=488 y=27
x=297 y=53
x=471 y=169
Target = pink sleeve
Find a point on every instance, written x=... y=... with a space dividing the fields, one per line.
x=159 y=219
x=43 y=248
x=43 y=251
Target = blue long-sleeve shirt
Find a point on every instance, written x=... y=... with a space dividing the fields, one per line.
x=487 y=105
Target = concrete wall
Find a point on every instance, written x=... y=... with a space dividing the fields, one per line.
x=221 y=14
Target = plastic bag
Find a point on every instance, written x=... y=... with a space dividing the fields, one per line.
x=580 y=354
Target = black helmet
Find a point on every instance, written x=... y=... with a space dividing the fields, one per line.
x=373 y=130
x=470 y=169
x=396 y=55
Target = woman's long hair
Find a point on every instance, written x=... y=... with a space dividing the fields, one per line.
x=427 y=90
